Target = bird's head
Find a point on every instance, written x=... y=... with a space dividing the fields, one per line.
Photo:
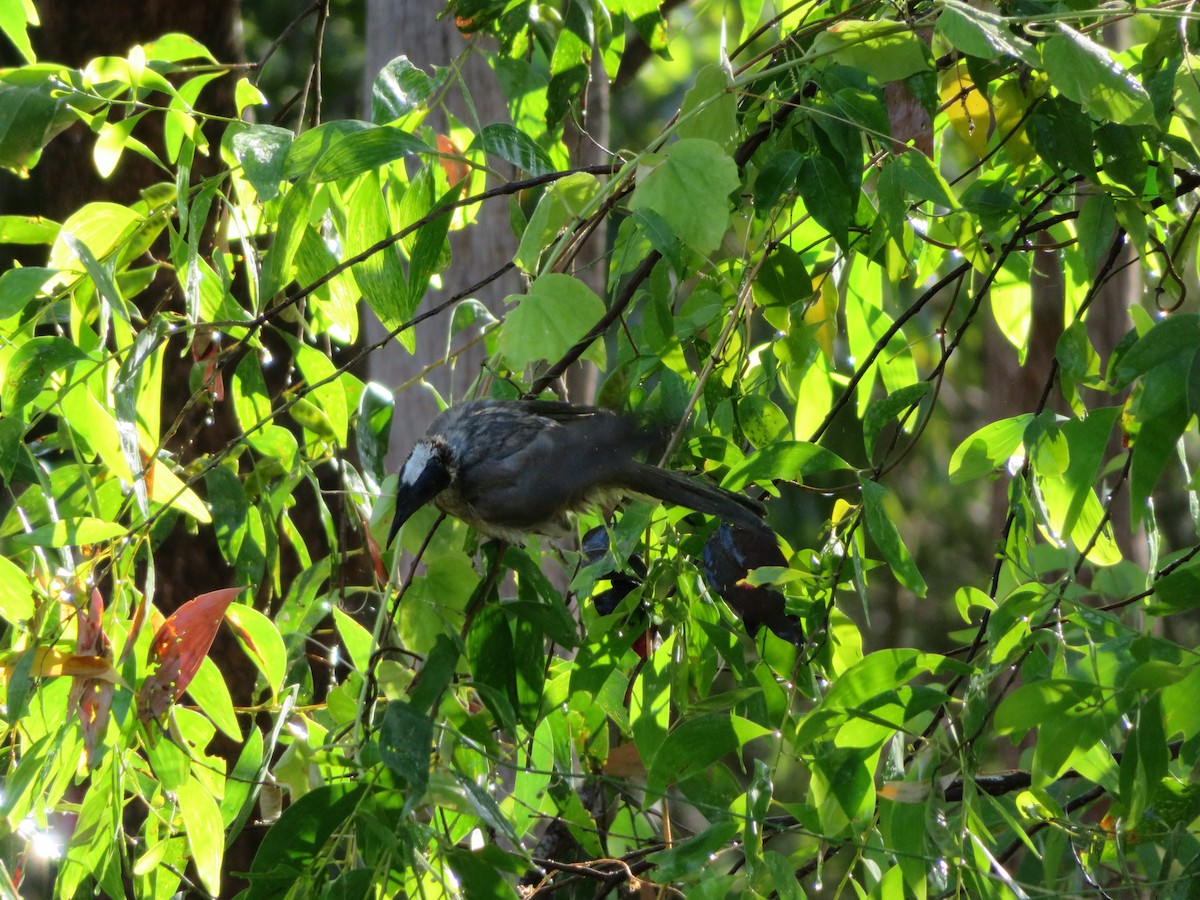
x=427 y=472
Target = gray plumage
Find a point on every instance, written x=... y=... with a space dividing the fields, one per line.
x=514 y=467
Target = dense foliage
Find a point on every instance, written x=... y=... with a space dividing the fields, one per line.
x=812 y=270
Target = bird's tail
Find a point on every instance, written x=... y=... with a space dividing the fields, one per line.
x=671 y=487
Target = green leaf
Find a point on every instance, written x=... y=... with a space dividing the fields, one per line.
x=355 y=638
x=1032 y=704
x=1170 y=338
x=399 y=88
x=776 y=178
x=327 y=391
x=336 y=306
x=783 y=279
x=247 y=94
x=882 y=529
x=1160 y=411
x=261 y=640
x=406 y=747
x=263 y=152
x=1068 y=715
x=480 y=803
x=289 y=232
x=29 y=368
x=695 y=745
x=690 y=189
x=863 y=108
x=567 y=199
x=204 y=831
x=693 y=856
x=380 y=277
x=789 y=460
x=1179 y=590
x=843 y=786
x=177 y=47
x=102 y=276
x=16 y=594
x=27 y=230
x=827 y=197
x=709 y=108
x=31 y=113
x=436 y=673
x=493 y=663
x=77 y=531
x=762 y=422
x=1085 y=72
x=289 y=847
x=230 y=509
x=921 y=180
x=548 y=321
x=373 y=428
x=15 y=18
x=478 y=875
x=251 y=402
x=114 y=137
x=987 y=449
x=529 y=651
x=19 y=286
x=650 y=700
x=12 y=447
x=514 y=146
x=428 y=250
x=1145 y=760
x=883 y=671
x=986 y=35
x=888 y=51
x=241 y=785
x=315 y=143
x=883 y=411
x=100 y=227
x=137 y=382
x=208 y=689
x=1071 y=502
x=569 y=64
x=1062 y=134
x=364 y=150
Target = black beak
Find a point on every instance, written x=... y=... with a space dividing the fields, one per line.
x=423 y=477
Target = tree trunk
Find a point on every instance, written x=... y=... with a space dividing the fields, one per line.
x=411 y=28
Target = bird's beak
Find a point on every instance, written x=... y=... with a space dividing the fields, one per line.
x=423 y=477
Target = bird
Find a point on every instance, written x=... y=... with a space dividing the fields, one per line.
x=730 y=554
x=511 y=468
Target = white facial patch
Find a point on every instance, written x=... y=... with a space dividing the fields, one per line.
x=421 y=456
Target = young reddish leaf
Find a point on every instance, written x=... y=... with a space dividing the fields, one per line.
x=179 y=647
x=452 y=163
x=91 y=698
x=373 y=549
x=206 y=349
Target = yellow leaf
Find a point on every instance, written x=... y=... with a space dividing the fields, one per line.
x=49 y=663
x=166 y=488
x=968 y=111
x=823 y=313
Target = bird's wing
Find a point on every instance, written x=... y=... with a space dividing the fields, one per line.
x=545 y=468
x=561 y=411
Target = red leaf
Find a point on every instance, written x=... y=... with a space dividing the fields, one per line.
x=373 y=550
x=179 y=647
